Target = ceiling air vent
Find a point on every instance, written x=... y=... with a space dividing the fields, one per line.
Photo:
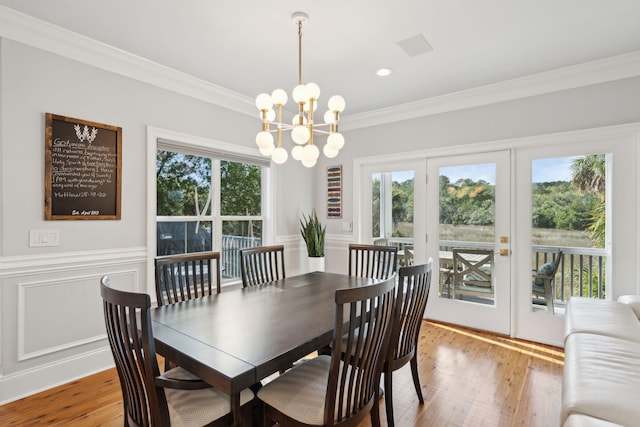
x=416 y=45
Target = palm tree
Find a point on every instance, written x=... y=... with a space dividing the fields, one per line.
x=589 y=176
x=589 y=173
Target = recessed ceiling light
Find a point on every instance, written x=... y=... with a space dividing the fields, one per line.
x=383 y=72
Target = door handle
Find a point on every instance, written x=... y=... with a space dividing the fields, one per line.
x=504 y=252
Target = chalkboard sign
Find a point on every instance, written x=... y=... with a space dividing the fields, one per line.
x=83 y=169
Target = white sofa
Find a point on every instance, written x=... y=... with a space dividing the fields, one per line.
x=601 y=377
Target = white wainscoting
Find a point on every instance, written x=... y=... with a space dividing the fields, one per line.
x=53 y=326
x=336 y=251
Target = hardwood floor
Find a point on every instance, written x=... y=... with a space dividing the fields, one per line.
x=469 y=378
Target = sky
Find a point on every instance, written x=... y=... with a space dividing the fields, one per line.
x=550 y=170
x=542 y=170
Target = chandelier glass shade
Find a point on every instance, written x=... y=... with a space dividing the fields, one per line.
x=303 y=127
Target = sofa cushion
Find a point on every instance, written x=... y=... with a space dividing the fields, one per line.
x=632 y=301
x=594 y=316
x=601 y=378
x=581 y=420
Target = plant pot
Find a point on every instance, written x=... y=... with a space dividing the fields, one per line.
x=316 y=263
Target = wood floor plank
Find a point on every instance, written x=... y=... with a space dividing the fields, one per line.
x=469 y=378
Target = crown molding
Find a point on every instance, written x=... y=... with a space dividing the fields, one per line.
x=589 y=73
x=36 y=33
x=625 y=130
x=43 y=35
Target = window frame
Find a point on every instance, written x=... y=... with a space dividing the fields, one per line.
x=162 y=139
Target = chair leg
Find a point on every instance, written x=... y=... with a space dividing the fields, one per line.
x=416 y=378
x=375 y=413
x=550 y=308
x=266 y=419
x=388 y=397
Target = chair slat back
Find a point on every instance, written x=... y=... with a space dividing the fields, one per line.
x=128 y=323
x=186 y=276
x=261 y=265
x=372 y=261
x=363 y=319
x=411 y=302
x=556 y=263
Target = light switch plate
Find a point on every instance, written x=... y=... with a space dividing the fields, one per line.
x=40 y=238
x=346 y=226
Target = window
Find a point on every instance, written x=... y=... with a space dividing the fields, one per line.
x=569 y=215
x=392 y=207
x=206 y=202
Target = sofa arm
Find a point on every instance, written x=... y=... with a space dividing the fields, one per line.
x=632 y=301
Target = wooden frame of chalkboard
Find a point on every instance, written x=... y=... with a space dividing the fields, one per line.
x=83 y=169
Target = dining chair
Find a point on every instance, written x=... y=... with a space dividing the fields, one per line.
x=472 y=273
x=372 y=261
x=327 y=390
x=176 y=397
x=186 y=276
x=407 y=256
x=183 y=277
x=261 y=265
x=411 y=301
x=381 y=242
x=543 y=283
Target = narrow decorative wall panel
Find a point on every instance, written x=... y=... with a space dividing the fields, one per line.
x=334 y=192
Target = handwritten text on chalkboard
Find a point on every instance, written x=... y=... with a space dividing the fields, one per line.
x=83 y=169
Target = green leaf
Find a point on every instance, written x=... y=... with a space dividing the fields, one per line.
x=313 y=233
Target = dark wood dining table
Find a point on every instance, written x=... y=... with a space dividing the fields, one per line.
x=234 y=339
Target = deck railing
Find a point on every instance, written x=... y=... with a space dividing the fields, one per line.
x=582 y=271
x=231 y=246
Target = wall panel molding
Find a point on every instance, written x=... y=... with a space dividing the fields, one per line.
x=17 y=266
x=39 y=311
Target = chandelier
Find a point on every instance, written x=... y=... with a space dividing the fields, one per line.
x=303 y=128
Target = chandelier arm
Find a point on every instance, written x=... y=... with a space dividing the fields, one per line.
x=279 y=125
x=265 y=123
x=310 y=121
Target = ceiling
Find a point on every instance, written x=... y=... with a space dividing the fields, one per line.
x=250 y=46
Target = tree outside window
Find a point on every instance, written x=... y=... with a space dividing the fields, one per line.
x=188 y=213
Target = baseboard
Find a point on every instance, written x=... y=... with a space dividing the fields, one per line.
x=32 y=381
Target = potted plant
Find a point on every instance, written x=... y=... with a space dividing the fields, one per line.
x=313 y=234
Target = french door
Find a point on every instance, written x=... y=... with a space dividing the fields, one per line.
x=469 y=238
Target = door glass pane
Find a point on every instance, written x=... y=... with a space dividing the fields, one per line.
x=568 y=230
x=466 y=228
x=392 y=211
x=238 y=235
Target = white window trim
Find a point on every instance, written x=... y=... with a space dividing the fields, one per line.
x=211 y=147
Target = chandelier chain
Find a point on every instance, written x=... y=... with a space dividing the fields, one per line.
x=300 y=52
